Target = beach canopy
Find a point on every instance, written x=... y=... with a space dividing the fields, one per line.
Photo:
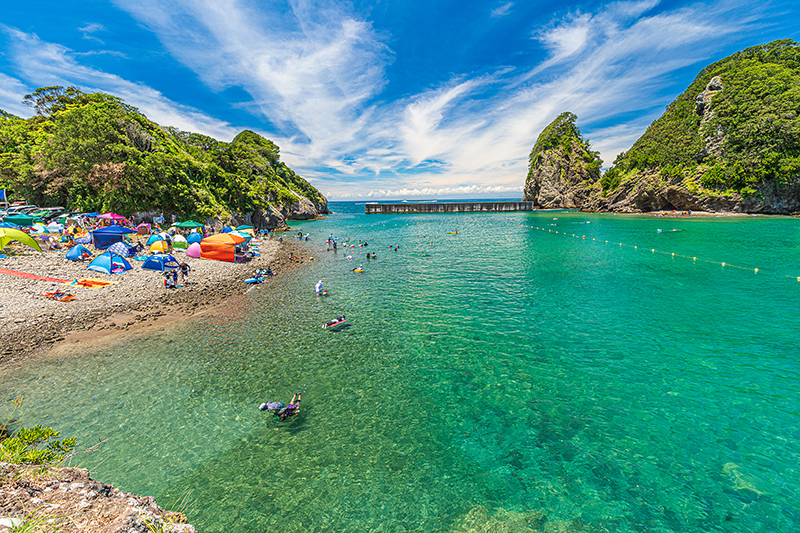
x=111 y=216
x=39 y=228
x=104 y=237
x=194 y=237
x=241 y=234
x=8 y=225
x=55 y=227
x=179 y=241
x=244 y=227
x=21 y=220
x=161 y=262
x=110 y=263
x=159 y=247
x=122 y=249
x=154 y=238
x=194 y=250
x=77 y=253
x=189 y=224
x=8 y=234
x=220 y=247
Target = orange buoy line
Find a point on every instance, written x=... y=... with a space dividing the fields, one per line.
x=654 y=251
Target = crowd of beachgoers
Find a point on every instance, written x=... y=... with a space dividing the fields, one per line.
x=46 y=298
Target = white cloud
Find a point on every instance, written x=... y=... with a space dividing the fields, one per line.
x=502 y=10
x=45 y=64
x=436 y=192
x=12 y=91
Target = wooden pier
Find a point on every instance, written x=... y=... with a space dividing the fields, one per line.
x=448 y=207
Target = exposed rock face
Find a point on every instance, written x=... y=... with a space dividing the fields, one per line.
x=704 y=107
x=559 y=179
x=76 y=503
x=651 y=192
x=562 y=167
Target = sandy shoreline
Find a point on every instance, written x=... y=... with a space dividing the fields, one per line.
x=32 y=324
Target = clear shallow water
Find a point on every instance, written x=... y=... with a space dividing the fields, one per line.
x=547 y=378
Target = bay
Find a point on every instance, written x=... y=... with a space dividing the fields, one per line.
x=505 y=378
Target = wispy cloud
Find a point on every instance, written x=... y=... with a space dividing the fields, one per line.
x=502 y=10
x=90 y=29
x=12 y=91
x=46 y=64
x=435 y=192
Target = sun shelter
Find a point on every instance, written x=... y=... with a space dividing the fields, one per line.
x=110 y=263
x=8 y=234
x=154 y=238
x=220 y=247
x=189 y=224
x=194 y=237
x=78 y=253
x=104 y=237
x=194 y=250
x=54 y=227
x=226 y=229
x=159 y=247
x=143 y=229
x=122 y=249
x=22 y=220
x=161 y=262
x=111 y=216
x=179 y=241
x=8 y=225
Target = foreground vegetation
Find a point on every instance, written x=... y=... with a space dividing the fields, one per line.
x=94 y=152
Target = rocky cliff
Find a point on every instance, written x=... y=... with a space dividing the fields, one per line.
x=730 y=142
x=562 y=167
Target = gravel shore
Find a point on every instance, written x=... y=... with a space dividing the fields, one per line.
x=32 y=323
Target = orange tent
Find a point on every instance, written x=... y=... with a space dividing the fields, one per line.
x=221 y=246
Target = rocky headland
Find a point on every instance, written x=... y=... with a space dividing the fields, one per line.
x=729 y=144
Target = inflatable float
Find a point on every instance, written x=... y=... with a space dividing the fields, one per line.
x=334 y=322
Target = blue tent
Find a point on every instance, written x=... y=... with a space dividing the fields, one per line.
x=122 y=249
x=154 y=238
x=110 y=263
x=194 y=237
x=105 y=237
x=226 y=229
x=8 y=225
x=77 y=252
x=161 y=262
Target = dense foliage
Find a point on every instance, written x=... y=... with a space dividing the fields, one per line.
x=563 y=133
x=756 y=115
x=93 y=152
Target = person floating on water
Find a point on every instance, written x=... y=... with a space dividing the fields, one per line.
x=318 y=287
x=359 y=268
x=281 y=411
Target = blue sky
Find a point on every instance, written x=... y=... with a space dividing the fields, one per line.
x=398 y=99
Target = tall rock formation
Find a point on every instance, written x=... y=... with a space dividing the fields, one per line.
x=562 y=167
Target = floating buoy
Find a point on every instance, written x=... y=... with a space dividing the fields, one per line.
x=723 y=264
x=756 y=270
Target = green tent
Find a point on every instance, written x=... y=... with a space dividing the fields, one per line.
x=7 y=235
x=189 y=224
x=22 y=220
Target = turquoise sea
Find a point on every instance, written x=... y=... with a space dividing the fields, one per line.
x=507 y=378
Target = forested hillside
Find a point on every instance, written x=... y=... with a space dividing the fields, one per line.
x=94 y=152
x=734 y=130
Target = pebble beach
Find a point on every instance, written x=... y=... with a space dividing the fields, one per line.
x=32 y=323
